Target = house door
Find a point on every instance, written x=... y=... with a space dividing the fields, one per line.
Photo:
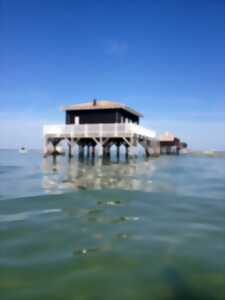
x=77 y=120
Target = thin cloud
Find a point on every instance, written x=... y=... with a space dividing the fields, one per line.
x=116 y=47
x=208 y=114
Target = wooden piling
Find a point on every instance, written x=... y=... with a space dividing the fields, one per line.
x=70 y=150
x=88 y=151
x=118 y=151
x=127 y=151
x=93 y=151
x=81 y=150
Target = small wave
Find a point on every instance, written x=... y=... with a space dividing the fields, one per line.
x=25 y=215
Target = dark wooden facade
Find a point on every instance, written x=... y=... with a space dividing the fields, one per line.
x=96 y=116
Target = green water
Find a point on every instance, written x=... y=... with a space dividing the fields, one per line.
x=143 y=229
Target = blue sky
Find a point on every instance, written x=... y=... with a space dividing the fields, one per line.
x=164 y=58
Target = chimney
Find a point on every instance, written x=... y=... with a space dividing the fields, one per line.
x=94 y=102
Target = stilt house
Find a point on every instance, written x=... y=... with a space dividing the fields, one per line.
x=100 y=123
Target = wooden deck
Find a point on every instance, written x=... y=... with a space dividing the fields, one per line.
x=102 y=135
x=97 y=130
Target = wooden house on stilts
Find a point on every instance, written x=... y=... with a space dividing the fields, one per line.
x=100 y=123
x=170 y=144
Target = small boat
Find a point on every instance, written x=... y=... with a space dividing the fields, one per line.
x=23 y=150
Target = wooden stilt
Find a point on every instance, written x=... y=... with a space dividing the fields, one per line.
x=127 y=151
x=100 y=144
x=108 y=150
x=70 y=150
x=147 y=148
x=118 y=151
x=104 y=150
x=88 y=151
x=54 y=161
x=100 y=150
x=93 y=151
x=54 y=144
x=81 y=151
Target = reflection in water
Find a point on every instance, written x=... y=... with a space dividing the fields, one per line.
x=61 y=174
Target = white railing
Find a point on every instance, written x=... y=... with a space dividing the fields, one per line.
x=98 y=130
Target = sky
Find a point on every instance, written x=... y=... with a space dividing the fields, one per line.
x=163 y=58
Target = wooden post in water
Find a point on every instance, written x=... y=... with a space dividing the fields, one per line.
x=108 y=150
x=100 y=145
x=70 y=150
x=147 y=153
x=93 y=151
x=104 y=151
x=127 y=151
x=81 y=151
x=118 y=150
x=54 y=144
x=88 y=151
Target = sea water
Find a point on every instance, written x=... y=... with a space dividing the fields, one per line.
x=132 y=230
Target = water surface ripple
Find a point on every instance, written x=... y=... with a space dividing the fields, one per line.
x=143 y=229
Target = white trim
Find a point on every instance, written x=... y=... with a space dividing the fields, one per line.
x=97 y=130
